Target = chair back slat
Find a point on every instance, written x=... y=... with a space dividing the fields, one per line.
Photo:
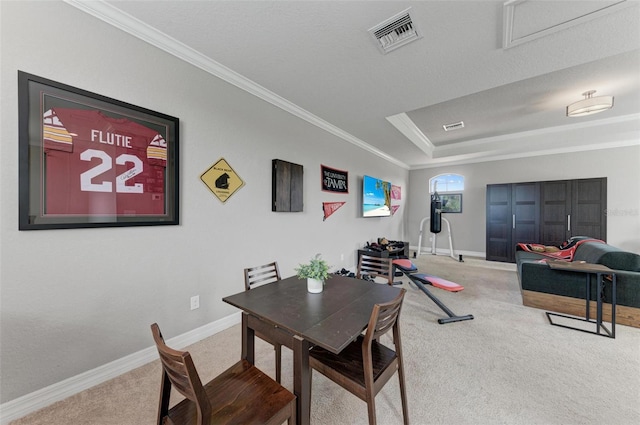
x=178 y=367
x=384 y=317
x=179 y=376
x=375 y=267
x=242 y=394
x=366 y=365
x=261 y=275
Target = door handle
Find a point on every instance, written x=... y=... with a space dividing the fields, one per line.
x=568 y=222
x=513 y=221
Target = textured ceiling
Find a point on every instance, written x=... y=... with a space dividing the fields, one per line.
x=319 y=57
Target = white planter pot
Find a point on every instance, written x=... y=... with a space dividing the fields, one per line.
x=314 y=285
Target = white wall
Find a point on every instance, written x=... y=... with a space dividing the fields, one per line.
x=73 y=300
x=620 y=165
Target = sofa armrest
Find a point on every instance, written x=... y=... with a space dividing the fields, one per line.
x=628 y=288
x=539 y=277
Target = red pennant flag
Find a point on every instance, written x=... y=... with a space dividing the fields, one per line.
x=330 y=207
x=396 y=192
x=394 y=208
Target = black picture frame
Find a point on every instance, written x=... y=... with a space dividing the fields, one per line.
x=334 y=180
x=86 y=160
x=451 y=202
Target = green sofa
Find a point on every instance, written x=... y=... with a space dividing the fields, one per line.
x=563 y=291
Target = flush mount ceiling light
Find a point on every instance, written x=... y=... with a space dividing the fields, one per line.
x=453 y=126
x=589 y=105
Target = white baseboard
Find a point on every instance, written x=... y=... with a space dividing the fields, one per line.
x=443 y=251
x=36 y=400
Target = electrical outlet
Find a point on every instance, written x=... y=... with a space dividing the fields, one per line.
x=195 y=302
x=341 y=257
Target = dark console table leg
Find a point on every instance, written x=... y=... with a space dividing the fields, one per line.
x=599 y=306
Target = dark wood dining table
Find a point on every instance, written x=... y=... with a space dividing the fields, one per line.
x=298 y=319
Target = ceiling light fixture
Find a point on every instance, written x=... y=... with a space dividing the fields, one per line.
x=589 y=105
x=453 y=126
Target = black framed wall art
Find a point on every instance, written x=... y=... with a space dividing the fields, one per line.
x=334 y=180
x=87 y=160
x=451 y=202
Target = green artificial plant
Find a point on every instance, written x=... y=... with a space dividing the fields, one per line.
x=317 y=268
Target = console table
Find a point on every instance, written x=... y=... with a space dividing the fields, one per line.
x=600 y=271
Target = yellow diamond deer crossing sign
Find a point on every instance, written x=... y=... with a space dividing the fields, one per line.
x=222 y=180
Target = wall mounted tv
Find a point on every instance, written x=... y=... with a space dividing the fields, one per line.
x=376 y=197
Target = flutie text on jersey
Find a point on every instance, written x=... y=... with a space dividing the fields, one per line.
x=111 y=138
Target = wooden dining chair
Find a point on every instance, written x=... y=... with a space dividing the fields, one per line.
x=366 y=365
x=258 y=276
x=241 y=395
x=376 y=267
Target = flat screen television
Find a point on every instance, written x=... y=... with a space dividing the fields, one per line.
x=376 y=197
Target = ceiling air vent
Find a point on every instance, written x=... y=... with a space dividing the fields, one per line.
x=454 y=126
x=395 y=32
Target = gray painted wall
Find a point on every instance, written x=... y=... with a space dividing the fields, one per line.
x=73 y=300
x=620 y=165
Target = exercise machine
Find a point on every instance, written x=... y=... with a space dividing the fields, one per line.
x=435 y=225
x=421 y=280
x=434 y=238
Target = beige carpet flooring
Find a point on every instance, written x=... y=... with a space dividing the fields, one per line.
x=507 y=366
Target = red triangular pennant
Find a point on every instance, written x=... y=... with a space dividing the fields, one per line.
x=330 y=207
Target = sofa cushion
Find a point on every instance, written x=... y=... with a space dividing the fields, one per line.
x=621 y=261
x=590 y=252
x=607 y=255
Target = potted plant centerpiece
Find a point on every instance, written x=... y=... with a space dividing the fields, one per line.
x=316 y=272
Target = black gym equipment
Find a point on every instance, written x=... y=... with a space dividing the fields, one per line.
x=409 y=269
x=435 y=224
x=435 y=220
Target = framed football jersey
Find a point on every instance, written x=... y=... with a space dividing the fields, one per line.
x=87 y=160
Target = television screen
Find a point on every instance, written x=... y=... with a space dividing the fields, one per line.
x=376 y=197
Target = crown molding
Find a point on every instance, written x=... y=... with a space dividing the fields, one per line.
x=406 y=126
x=127 y=23
x=437 y=158
x=540 y=132
x=494 y=156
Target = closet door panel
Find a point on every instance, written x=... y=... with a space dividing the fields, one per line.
x=589 y=202
x=499 y=223
x=556 y=207
x=525 y=213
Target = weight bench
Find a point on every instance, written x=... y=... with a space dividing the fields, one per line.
x=421 y=279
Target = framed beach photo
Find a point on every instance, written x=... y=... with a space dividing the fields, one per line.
x=376 y=197
x=87 y=160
